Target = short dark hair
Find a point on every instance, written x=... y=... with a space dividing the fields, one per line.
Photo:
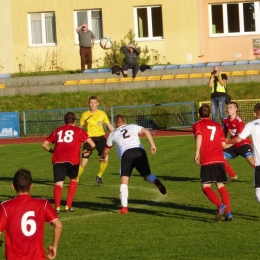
x=119 y=119
x=234 y=103
x=22 y=180
x=257 y=110
x=69 y=118
x=204 y=111
x=93 y=97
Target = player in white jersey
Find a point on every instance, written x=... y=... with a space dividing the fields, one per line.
x=132 y=156
x=252 y=128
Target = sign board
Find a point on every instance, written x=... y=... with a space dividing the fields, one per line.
x=256 y=43
x=9 y=125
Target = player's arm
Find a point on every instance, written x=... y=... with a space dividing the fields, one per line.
x=235 y=140
x=198 y=142
x=149 y=137
x=110 y=127
x=104 y=154
x=57 y=229
x=92 y=147
x=46 y=146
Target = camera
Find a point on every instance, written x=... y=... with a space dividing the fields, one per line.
x=213 y=72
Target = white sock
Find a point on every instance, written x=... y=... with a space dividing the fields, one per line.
x=257 y=193
x=124 y=195
x=151 y=178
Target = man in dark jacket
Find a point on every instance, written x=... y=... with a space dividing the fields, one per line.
x=131 y=59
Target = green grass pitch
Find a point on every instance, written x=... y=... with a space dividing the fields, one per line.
x=179 y=225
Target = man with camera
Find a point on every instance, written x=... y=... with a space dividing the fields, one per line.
x=217 y=82
x=86 y=43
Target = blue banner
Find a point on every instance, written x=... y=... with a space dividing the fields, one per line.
x=9 y=125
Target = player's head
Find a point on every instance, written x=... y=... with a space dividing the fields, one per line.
x=22 y=181
x=70 y=118
x=93 y=103
x=232 y=108
x=119 y=120
x=204 y=111
x=257 y=110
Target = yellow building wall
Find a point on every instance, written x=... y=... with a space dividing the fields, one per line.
x=180 y=29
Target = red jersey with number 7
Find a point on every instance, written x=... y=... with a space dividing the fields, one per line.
x=67 y=140
x=23 y=220
x=211 y=150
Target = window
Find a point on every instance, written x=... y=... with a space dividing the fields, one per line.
x=234 y=18
x=42 y=29
x=94 y=20
x=148 y=22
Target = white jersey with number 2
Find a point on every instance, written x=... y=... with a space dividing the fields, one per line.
x=125 y=137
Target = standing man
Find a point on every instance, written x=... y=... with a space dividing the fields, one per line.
x=218 y=82
x=66 y=157
x=95 y=120
x=252 y=128
x=23 y=217
x=132 y=155
x=86 y=43
x=210 y=141
x=234 y=125
x=131 y=59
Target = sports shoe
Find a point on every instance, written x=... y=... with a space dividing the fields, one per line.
x=99 y=180
x=67 y=209
x=221 y=211
x=230 y=179
x=160 y=186
x=228 y=216
x=123 y=210
x=57 y=210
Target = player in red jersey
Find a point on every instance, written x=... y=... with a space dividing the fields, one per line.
x=23 y=217
x=66 y=157
x=210 y=141
x=234 y=125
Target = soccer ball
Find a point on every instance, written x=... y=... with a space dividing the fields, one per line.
x=106 y=43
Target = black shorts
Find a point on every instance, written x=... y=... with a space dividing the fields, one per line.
x=213 y=173
x=100 y=143
x=61 y=170
x=257 y=176
x=244 y=150
x=135 y=158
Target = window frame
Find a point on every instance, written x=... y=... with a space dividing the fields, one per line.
x=43 y=27
x=150 y=28
x=241 y=20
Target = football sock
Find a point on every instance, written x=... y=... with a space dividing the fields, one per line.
x=212 y=196
x=229 y=170
x=124 y=195
x=102 y=168
x=151 y=178
x=57 y=195
x=257 y=193
x=81 y=169
x=71 y=192
x=225 y=197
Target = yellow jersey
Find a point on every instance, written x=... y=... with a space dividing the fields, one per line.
x=94 y=122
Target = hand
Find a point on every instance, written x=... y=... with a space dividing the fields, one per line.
x=101 y=159
x=153 y=149
x=197 y=159
x=52 y=252
x=86 y=152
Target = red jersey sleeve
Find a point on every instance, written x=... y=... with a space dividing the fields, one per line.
x=3 y=219
x=50 y=214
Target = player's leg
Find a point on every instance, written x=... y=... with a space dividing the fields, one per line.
x=257 y=182
x=72 y=173
x=124 y=194
x=230 y=153
x=247 y=152
x=59 y=171
x=100 y=146
x=84 y=160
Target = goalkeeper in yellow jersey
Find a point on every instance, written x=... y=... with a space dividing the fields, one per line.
x=95 y=120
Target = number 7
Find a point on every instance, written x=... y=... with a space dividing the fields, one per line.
x=213 y=131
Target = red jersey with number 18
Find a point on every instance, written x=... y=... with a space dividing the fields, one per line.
x=211 y=150
x=23 y=219
x=67 y=141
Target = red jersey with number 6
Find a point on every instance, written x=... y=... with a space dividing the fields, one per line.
x=67 y=141
x=23 y=220
x=211 y=150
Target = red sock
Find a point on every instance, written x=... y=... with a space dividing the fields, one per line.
x=229 y=170
x=57 y=195
x=212 y=196
x=71 y=192
x=225 y=197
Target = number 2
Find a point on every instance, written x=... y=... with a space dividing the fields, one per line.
x=213 y=131
x=125 y=133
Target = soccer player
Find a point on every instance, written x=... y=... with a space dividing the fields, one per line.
x=252 y=128
x=66 y=157
x=95 y=120
x=234 y=125
x=132 y=156
x=210 y=141
x=23 y=217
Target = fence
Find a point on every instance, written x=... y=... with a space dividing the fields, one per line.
x=42 y=122
x=245 y=108
x=158 y=116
